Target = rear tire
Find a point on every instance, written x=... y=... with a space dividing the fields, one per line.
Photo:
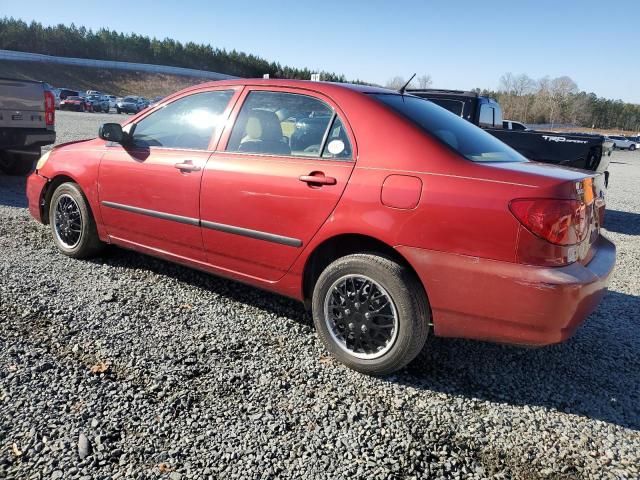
x=72 y=224
x=371 y=313
x=18 y=164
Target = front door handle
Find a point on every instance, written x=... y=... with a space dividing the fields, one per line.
x=187 y=166
x=317 y=178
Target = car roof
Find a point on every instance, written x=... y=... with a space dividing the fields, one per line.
x=323 y=87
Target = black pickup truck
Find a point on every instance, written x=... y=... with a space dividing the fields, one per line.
x=589 y=152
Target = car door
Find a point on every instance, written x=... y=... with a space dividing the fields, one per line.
x=277 y=177
x=149 y=188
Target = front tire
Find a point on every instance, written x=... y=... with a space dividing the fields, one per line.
x=72 y=224
x=632 y=148
x=371 y=313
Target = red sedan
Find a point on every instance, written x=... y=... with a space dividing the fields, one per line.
x=387 y=215
x=78 y=104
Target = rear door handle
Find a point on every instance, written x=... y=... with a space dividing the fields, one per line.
x=187 y=166
x=317 y=178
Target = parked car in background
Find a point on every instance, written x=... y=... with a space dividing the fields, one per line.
x=112 y=100
x=155 y=101
x=99 y=103
x=385 y=214
x=93 y=92
x=76 y=104
x=63 y=93
x=624 y=143
x=512 y=125
x=56 y=97
x=27 y=122
x=130 y=104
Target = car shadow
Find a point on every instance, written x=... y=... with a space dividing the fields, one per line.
x=237 y=291
x=627 y=223
x=12 y=191
x=595 y=374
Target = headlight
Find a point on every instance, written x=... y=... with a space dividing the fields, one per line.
x=43 y=159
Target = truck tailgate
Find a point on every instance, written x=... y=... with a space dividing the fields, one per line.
x=21 y=104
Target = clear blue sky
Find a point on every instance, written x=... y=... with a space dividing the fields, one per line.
x=461 y=44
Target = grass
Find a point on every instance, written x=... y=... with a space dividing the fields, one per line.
x=114 y=82
x=595 y=131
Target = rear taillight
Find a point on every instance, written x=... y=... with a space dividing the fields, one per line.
x=561 y=222
x=49 y=108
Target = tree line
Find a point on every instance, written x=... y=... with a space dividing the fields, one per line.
x=546 y=100
x=105 y=44
x=559 y=101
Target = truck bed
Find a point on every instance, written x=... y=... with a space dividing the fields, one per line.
x=589 y=152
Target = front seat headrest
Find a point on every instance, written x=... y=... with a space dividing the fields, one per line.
x=263 y=125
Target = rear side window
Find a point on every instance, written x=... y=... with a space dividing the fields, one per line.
x=487 y=118
x=289 y=124
x=187 y=123
x=454 y=106
x=337 y=145
x=465 y=138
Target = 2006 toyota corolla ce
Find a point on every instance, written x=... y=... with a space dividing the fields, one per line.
x=386 y=214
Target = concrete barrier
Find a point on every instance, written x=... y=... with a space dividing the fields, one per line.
x=110 y=64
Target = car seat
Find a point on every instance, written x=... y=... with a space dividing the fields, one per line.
x=263 y=134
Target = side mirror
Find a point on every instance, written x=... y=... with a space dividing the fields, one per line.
x=112 y=132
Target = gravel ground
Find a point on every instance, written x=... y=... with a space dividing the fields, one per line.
x=131 y=367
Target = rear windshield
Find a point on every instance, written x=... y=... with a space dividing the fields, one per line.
x=465 y=138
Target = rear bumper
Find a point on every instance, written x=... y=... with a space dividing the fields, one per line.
x=17 y=138
x=507 y=302
x=36 y=185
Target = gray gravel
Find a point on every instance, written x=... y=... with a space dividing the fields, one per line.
x=131 y=367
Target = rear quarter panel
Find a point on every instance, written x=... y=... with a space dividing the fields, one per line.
x=463 y=206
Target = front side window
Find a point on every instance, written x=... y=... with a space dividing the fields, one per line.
x=465 y=138
x=276 y=123
x=187 y=123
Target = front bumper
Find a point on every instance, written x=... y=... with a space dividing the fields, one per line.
x=507 y=302
x=129 y=108
x=36 y=187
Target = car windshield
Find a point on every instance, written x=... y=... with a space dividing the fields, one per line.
x=130 y=99
x=74 y=98
x=465 y=138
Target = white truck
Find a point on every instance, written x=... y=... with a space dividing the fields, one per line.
x=27 y=123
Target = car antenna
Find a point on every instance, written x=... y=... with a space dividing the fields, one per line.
x=404 y=87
